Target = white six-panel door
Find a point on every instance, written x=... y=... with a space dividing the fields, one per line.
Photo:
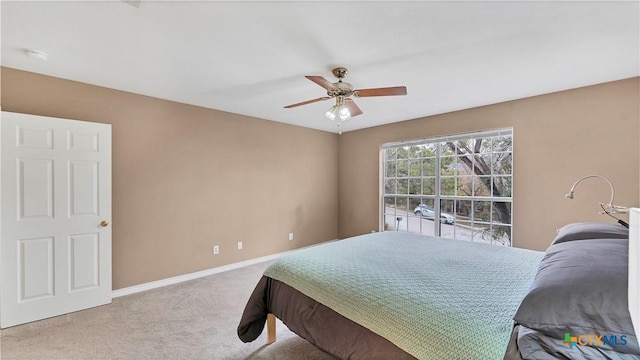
x=55 y=231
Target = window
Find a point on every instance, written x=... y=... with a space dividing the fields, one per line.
x=463 y=180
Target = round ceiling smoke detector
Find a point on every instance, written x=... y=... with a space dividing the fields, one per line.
x=37 y=54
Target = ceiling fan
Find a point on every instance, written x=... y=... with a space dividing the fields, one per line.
x=345 y=107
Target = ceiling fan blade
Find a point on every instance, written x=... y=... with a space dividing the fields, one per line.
x=354 y=110
x=307 y=102
x=323 y=82
x=396 y=90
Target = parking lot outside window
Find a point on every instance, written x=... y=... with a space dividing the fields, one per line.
x=465 y=181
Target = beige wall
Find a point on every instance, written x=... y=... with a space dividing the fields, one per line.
x=558 y=138
x=186 y=178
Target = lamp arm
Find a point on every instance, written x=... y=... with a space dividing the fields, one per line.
x=613 y=191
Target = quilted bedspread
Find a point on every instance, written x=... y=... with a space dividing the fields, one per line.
x=434 y=298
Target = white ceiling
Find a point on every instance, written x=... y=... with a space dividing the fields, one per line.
x=250 y=58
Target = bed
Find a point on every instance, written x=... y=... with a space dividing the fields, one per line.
x=396 y=295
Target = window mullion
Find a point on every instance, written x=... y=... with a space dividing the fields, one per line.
x=436 y=200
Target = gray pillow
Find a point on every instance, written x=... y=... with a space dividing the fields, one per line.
x=591 y=230
x=581 y=288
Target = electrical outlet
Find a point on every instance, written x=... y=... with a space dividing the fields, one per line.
x=239 y=245
x=290 y=236
x=216 y=250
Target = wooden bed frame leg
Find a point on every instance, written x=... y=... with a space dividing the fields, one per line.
x=271 y=329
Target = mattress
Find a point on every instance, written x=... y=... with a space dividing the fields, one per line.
x=432 y=298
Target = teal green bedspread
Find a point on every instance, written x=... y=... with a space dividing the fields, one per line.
x=434 y=298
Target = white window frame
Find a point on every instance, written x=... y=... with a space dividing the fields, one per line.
x=438 y=197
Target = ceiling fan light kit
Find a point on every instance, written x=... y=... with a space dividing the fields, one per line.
x=338 y=110
x=345 y=107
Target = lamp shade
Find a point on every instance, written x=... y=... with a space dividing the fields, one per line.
x=332 y=113
x=344 y=113
x=339 y=110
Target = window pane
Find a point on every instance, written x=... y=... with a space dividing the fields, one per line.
x=502 y=144
x=414 y=205
x=448 y=186
x=390 y=154
x=464 y=145
x=402 y=222
x=403 y=153
x=465 y=186
x=402 y=205
x=463 y=210
x=413 y=151
x=428 y=202
x=402 y=168
x=415 y=167
x=447 y=165
x=464 y=166
x=390 y=186
x=429 y=186
x=389 y=205
x=501 y=235
x=483 y=164
x=429 y=167
x=481 y=233
x=390 y=222
x=418 y=223
x=463 y=225
x=428 y=150
x=403 y=186
x=426 y=227
x=482 y=185
x=448 y=206
x=502 y=212
x=483 y=145
x=446 y=150
x=481 y=211
x=415 y=186
x=390 y=169
x=503 y=184
x=502 y=164
x=447 y=219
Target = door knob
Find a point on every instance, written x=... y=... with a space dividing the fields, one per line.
x=104 y=223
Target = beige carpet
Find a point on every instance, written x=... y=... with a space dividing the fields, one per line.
x=191 y=320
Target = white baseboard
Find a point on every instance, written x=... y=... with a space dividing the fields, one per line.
x=192 y=276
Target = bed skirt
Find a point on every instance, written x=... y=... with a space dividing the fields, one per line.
x=321 y=326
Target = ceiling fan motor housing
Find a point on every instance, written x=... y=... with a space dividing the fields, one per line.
x=344 y=89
